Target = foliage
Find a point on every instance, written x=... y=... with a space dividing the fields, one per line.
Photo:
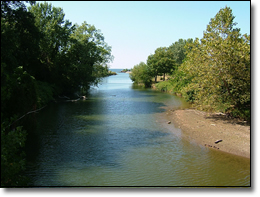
x=89 y=55
x=42 y=56
x=19 y=39
x=219 y=65
x=44 y=93
x=178 y=78
x=19 y=54
x=179 y=51
x=111 y=73
x=161 y=62
x=72 y=56
x=126 y=70
x=213 y=72
x=165 y=86
x=12 y=157
x=141 y=74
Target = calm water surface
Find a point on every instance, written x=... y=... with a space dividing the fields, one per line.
x=118 y=137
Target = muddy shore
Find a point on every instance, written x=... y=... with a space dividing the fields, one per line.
x=230 y=135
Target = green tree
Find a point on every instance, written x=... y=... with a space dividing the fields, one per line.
x=220 y=66
x=161 y=62
x=178 y=50
x=19 y=50
x=141 y=74
x=89 y=55
x=72 y=56
x=55 y=33
x=178 y=78
x=151 y=63
x=12 y=155
x=19 y=39
x=42 y=56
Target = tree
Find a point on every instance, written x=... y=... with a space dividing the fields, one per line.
x=19 y=50
x=161 y=62
x=19 y=39
x=141 y=74
x=220 y=66
x=42 y=56
x=71 y=55
x=89 y=54
x=151 y=63
x=55 y=33
x=178 y=50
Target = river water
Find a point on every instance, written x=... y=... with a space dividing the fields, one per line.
x=118 y=137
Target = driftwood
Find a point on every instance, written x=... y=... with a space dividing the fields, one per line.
x=65 y=97
x=218 y=141
x=73 y=100
x=26 y=115
x=34 y=111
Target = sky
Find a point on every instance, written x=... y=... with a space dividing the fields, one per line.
x=135 y=29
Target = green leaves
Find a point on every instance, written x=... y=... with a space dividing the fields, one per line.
x=88 y=52
x=70 y=54
x=141 y=74
x=219 y=65
x=42 y=56
x=178 y=50
x=161 y=62
x=213 y=72
x=12 y=158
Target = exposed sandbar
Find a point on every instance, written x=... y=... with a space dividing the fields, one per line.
x=207 y=128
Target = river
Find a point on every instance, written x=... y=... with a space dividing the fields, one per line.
x=118 y=137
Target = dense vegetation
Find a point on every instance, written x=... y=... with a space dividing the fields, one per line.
x=125 y=70
x=43 y=56
x=213 y=73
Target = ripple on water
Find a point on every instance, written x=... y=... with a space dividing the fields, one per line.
x=116 y=139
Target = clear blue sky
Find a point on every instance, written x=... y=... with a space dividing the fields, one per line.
x=134 y=29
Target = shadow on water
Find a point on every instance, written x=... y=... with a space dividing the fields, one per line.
x=113 y=138
x=89 y=133
x=82 y=150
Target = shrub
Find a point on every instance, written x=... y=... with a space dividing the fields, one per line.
x=12 y=156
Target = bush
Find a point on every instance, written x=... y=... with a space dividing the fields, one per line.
x=165 y=86
x=12 y=156
x=45 y=93
x=141 y=75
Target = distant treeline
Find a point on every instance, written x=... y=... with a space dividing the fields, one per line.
x=213 y=73
x=125 y=70
x=43 y=57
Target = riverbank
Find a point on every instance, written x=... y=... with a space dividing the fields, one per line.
x=207 y=128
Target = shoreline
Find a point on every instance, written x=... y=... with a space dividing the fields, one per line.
x=207 y=128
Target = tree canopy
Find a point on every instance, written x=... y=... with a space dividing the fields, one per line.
x=43 y=56
x=161 y=62
x=212 y=72
x=219 y=65
x=141 y=74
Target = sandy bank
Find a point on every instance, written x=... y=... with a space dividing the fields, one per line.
x=207 y=128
